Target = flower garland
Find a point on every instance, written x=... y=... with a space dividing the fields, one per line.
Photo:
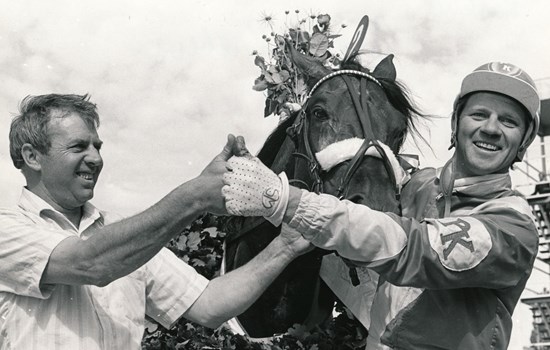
x=285 y=87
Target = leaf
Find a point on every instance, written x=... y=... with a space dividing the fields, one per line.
x=197 y=262
x=318 y=45
x=298 y=36
x=334 y=36
x=259 y=61
x=181 y=243
x=151 y=326
x=316 y=29
x=277 y=78
x=285 y=75
x=270 y=107
x=293 y=34
x=272 y=69
x=282 y=97
x=193 y=240
x=260 y=84
x=299 y=331
x=212 y=231
x=303 y=36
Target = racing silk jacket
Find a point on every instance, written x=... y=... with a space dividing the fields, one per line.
x=461 y=276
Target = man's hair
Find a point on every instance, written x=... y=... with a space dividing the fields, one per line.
x=35 y=112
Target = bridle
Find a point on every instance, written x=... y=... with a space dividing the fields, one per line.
x=302 y=127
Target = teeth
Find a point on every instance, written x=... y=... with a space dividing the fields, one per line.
x=86 y=176
x=486 y=146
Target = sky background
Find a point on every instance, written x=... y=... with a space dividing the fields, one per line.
x=172 y=78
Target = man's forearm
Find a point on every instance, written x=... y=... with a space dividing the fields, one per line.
x=118 y=249
x=355 y=231
x=229 y=295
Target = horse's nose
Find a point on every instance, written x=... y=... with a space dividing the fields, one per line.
x=356 y=198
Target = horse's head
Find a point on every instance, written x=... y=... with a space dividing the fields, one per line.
x=345 y=108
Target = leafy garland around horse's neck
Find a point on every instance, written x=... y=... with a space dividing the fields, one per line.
x=284 y=86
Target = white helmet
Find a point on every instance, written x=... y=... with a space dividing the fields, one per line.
x=509 y=80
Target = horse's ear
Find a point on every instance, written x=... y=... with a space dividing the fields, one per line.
x=385 y=69
x=311 y=68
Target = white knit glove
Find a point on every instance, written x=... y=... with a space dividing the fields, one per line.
x=252 y=189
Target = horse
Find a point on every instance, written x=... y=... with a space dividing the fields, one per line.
x=351 y=103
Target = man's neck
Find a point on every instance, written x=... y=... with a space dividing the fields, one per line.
x=74 y=215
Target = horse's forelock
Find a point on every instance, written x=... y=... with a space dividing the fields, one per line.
x=353 y=63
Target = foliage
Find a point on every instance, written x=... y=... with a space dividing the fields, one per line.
x=201 y=246
x=284 y=86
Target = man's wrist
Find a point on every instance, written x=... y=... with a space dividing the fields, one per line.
x=284 y=249
x=294 y=196
x=276 y=218
x=190 y=195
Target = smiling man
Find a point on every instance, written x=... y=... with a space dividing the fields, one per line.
x=452 y=267
x=76 y=277
x=491 y=130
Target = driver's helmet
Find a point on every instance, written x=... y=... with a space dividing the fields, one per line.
x=509 y=80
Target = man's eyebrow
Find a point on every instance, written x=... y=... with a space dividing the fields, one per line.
x=83 y=140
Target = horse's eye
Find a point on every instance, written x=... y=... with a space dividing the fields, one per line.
x=320 y=114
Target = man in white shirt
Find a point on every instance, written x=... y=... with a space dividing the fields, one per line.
x=75 y=277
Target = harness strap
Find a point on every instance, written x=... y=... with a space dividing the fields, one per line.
x=313 y=164
x=355 y=161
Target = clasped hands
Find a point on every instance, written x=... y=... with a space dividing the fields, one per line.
x=249 y=188
x=252 y=189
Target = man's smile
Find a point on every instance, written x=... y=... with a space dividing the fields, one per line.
x=487 y=146
x=85 y=175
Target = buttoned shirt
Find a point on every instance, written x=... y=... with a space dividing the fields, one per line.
x=87 y=317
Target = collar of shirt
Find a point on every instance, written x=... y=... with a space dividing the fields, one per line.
x=32 y=203
x=485 y=186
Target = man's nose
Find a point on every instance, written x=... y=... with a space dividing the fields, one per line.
x=491 y=125
x=93 y=157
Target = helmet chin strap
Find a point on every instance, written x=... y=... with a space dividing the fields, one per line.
x=446 y=184
x=453 y=141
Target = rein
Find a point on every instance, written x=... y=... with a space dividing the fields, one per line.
x=366 y=125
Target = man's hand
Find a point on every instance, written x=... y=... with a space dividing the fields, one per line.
x=210 y=179
x=297 y=244
x=239 y=148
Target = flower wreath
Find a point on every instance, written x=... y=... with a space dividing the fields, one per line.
x=285 y=87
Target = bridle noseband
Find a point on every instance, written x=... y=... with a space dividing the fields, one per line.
x=302 y=126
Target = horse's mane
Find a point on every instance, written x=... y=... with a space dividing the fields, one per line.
x=398 y=95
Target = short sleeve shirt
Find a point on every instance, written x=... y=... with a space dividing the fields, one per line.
x=83 y=317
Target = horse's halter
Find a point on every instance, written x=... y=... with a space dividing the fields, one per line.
x=366 y=126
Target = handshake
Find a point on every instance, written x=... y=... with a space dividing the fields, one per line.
x=252 y=189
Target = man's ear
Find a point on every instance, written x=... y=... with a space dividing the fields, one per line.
x=31 y=157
